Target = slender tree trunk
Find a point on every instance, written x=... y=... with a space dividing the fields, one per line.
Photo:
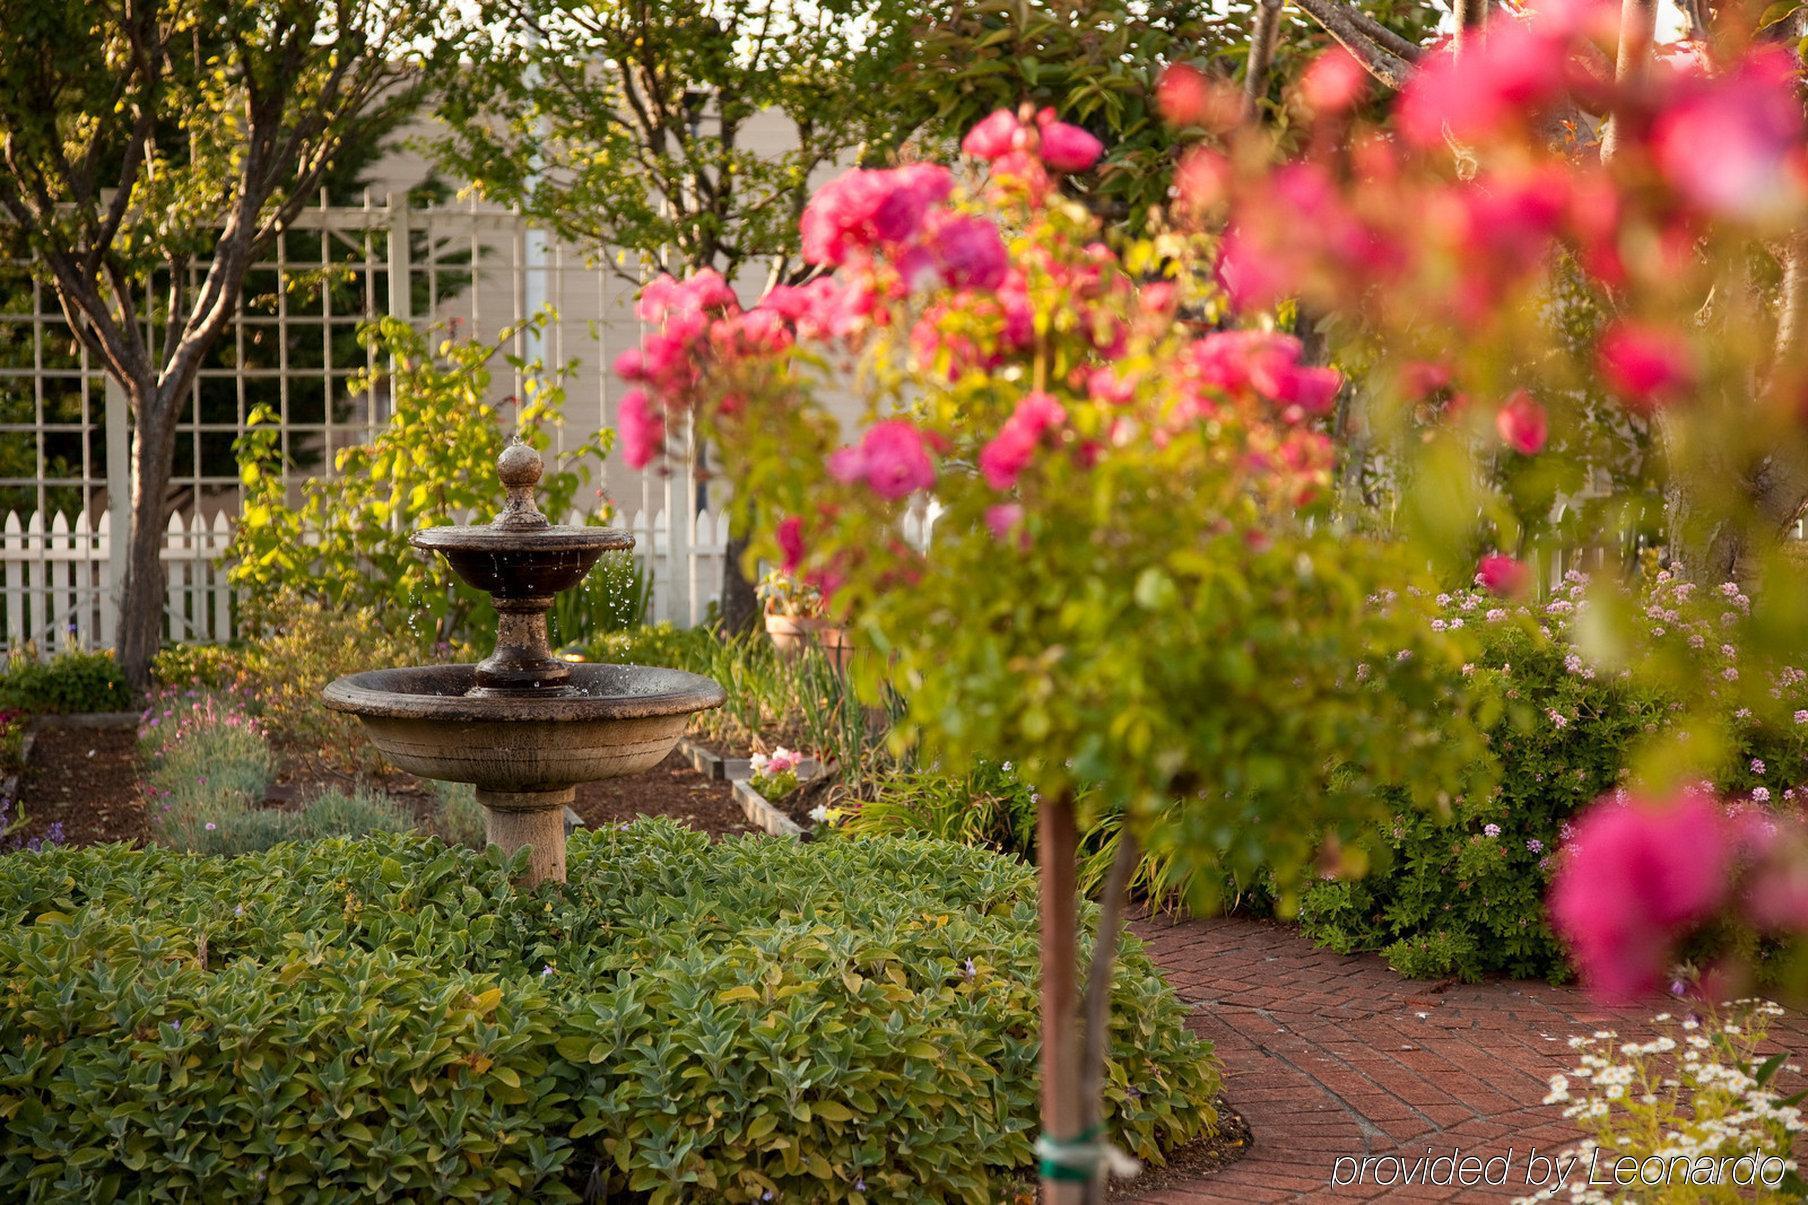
x=142 y=595
x=740 y=612
x=1098 y=995
x=1063 y=1109
x=1471 y=15
x=1638 y=27
x=1264 y=32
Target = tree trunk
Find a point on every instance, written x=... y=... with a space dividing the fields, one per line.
x=740 y=612
x=1264 y=32
x=1638 y=27
x=1063 y=1111
x=142 y=594
x=1098 y=996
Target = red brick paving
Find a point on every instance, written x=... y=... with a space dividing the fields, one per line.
x=1329 y=1055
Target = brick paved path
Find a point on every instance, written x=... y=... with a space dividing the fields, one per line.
x=1330 y=1055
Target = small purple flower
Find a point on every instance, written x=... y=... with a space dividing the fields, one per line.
x=1534 y=845
x=1757 y=765
x=1761 y=794
x=1492 y=830
x=546 y=970
x=971 y=969
x=211 y=826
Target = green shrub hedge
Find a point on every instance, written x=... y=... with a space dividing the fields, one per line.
x=71 y=682
x=392 y=1017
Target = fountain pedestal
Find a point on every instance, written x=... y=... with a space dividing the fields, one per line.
x=523 y=726
x=535 y=819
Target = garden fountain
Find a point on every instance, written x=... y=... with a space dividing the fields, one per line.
x=521 y=725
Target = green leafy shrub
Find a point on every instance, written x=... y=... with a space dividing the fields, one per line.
x=460 y=818
x=849 y=1020
x=203 y=666
x=72 y=682
x=1465 y=897
x=803 y=701
x=334 y=814
x=345 y=546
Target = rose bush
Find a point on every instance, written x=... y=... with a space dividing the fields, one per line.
x=1094 y=464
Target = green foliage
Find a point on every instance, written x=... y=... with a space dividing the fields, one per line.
x=71 y=682
x=1466 y=897
x=613 y=597
x=630 y=128
x=345 y=546
x=990 y=806
x=202 y=666
x=460 y=819
x=1096 y=64
x=1437 y=954
x=279 y=676
x=837 y=1021
x=802 y=701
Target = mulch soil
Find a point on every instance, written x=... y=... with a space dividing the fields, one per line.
x=1194 y=1161
x=88 y=779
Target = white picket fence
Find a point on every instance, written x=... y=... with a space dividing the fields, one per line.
x=58 y=581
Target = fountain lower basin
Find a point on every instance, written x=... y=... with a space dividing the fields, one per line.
x=603 y=721
x=525 y=751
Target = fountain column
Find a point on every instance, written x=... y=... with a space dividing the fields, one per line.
x=536 y=819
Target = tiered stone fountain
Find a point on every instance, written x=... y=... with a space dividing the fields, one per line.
x=521 y=725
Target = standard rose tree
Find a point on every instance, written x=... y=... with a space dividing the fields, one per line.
x=1133 y=584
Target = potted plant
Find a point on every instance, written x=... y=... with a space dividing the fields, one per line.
x=795 y=618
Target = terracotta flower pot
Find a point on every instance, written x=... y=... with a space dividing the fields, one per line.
x=792 y=634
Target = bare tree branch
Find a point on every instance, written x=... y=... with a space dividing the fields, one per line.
x=1351 y=29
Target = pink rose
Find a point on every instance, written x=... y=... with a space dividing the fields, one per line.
x=1003 y=519
x=968 y=252
x=1731 y=143
x=789 y=536
x=1516 y=70
x=1183 y=95
x=1522 y=424
x=1334 y=82
x=1648 y=366
x=1008 y=453
x=993 y=137
x=1068 y=148
x=1503 y=575
x=1251 y=276
x=862 y=209
x=642 y=430
x=1635 y=875
x=891 y=458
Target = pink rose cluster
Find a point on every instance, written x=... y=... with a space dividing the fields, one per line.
x=1009 y=452
x=892 y=459
x=1637 y=876
x=1380 y=226
x=664 y=368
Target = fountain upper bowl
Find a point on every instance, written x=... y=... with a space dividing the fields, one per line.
x=603 y=722
x=521 y=562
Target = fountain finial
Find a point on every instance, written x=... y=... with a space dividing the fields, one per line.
x=519 y=467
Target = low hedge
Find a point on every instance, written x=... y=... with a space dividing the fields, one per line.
x=392 y=1017
x=70 y=683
